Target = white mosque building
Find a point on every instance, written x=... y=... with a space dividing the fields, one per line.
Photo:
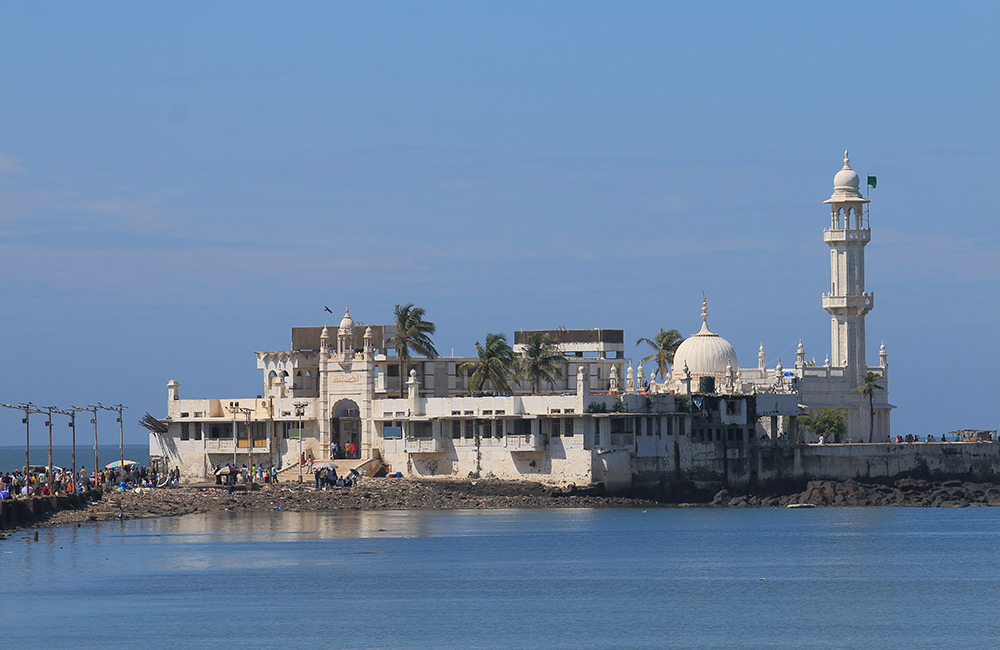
x=706 y=362
x=342 y=390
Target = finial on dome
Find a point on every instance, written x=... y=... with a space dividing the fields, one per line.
x=704 y=308
x=847 y=160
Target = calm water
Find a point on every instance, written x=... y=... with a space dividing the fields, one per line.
x=12 y=456
x=660 y=578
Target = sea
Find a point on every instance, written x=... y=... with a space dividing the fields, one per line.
x=667 y=577
x=12 y=456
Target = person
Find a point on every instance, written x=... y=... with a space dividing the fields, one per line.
x=317 y=477
x=333 y=449
x=822 y=440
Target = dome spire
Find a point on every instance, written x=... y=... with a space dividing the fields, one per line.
x=704 y=309
x=847 y=160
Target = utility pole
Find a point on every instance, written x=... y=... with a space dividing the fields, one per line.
x=234 y=408
x=92 y=409
x=121 y=430
x=72 y=424
x=49 y=411
x=28 y=409
x=300 y=409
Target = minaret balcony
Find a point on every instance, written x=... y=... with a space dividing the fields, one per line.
x=832 y=236
x=863 y=303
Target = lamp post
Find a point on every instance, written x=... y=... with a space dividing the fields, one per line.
x=48 y=423
x=246 y=413
x=91 y=409
x=72 y=424
x=300 y=409
x=28 y=409
x=121 y=432
x=234 y=408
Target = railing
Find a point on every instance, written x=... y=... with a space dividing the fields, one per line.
x=622 y=439
x=218 y=444
x=527 y=442
x=422 y=445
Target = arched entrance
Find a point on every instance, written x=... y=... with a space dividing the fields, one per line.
x=345 y=430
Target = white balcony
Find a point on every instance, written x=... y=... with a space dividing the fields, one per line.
x=422 y=445
x=527 y=442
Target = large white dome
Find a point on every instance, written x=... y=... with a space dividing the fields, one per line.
x=705 y=353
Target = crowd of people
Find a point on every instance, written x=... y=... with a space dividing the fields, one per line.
x=35 y=482
x=231 y=475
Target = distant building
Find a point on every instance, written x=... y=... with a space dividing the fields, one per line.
x=343 y=394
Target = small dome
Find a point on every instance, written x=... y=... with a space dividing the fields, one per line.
x=705 y=353
x=346 y=325
x=846 y=179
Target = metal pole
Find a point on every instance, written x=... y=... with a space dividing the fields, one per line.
x=246 y=412
x=27 y=442
x=72 y=425
x=96 y=462
x=28 y=409
x=49 y=425
x=300 y=408
x=121 y=442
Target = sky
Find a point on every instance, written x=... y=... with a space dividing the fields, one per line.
x=181 y=183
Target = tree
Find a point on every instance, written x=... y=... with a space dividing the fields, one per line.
x=664 y=344
x=539 y=361
x=831 y=423
x=412 y=333
x=869 y=384
x=496 y=364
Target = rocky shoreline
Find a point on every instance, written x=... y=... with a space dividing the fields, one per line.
x=904 y=492
x=415 y=494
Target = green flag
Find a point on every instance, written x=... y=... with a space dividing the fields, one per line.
x=872 y=181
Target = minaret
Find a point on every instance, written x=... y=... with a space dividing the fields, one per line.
x=847 y=303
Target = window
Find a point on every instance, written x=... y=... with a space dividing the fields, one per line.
x=456 y=429
x=469 y=428
x=622 y=425
x=568 y=427
x=185 y=431
x=522 y=427
x=196 y=430
x=555 y=427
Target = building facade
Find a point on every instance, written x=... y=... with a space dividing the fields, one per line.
x=343 y=395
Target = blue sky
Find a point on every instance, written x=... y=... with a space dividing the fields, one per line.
x=181 y=183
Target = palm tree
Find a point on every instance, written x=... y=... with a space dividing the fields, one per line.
x=496 y=364
x=664 y=344
x=412 y=333
x=869 y=384
x=539 y=361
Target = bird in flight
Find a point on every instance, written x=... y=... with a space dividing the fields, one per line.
x=328 y=309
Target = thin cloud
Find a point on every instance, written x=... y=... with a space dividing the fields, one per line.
x=10 y=165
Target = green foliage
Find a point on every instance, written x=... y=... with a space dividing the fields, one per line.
x=829 y=422
x=647 y=402
x=869 y=384
x=412 y=333
x=539 y=361
x=619 y=406
x=597 y=407
x=682 y=403
x=664 y=345
x=495 y=366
